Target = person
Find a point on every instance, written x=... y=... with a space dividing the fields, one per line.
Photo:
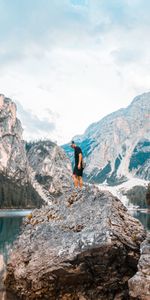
x=78 y=169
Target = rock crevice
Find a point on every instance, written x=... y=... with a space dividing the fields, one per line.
x=139 y=285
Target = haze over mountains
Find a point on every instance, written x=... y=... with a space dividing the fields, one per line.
x=118 y=147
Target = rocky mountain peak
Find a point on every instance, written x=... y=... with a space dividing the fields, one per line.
x=111 y=146
x=12 y=153
x=142 y=100
x=8 y=110
x=28 y=176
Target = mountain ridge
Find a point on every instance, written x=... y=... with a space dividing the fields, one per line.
x=28 y=178
x=108 y=144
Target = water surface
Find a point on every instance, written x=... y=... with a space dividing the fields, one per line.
x=10 y=224
x=143 y=216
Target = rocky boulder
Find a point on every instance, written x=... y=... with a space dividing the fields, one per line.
x=84 y=247
x=139 y=285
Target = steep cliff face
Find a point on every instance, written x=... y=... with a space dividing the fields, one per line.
x=31 y=176
x=85 y=246
x=118 y=146
x=15 y=187
x=13 y=160
x=50 y=167
x=140 y=159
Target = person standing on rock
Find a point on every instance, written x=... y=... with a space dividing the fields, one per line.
x=78 y=168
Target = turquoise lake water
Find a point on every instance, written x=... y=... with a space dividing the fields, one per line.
x=10 y=226
x=10 y=223
x=143 y=217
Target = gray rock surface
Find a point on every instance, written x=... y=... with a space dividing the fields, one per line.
x=85 y=246
x=13 y=160
x=32 y=178
x=51 y=168
x=139 y=285
x=16 y=190
x=118 y=146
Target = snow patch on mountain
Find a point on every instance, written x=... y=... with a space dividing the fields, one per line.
x=117 y=147
x=120 y=190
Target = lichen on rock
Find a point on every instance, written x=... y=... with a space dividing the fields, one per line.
x=86 y=250
x=139 y=285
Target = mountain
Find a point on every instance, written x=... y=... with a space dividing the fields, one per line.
x=50 y=167
x=118 y=146
x=13 y=160
x=24 y=166
x=15 y=187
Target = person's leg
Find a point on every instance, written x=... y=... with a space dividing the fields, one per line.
x=75 y=180
x=80 y=181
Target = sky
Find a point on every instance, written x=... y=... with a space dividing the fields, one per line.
x=69 y=63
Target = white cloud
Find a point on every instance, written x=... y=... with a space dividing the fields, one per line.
x=80 y=59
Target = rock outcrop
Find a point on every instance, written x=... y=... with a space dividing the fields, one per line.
x=16 y=191
x=28 y=178
x=84 y=247
x=139 y=285
x=115 y=149
x=13 y=160
x=2 y=268
x=51 y=168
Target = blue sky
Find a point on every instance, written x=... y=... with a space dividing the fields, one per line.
x=68 y=63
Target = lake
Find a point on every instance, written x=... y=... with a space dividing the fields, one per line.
x=143 y=216
x=10 y=224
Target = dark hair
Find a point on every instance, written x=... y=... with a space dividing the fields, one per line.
x=72 y=142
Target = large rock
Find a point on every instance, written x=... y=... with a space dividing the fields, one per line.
x=85 y=246
x=139 y=285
